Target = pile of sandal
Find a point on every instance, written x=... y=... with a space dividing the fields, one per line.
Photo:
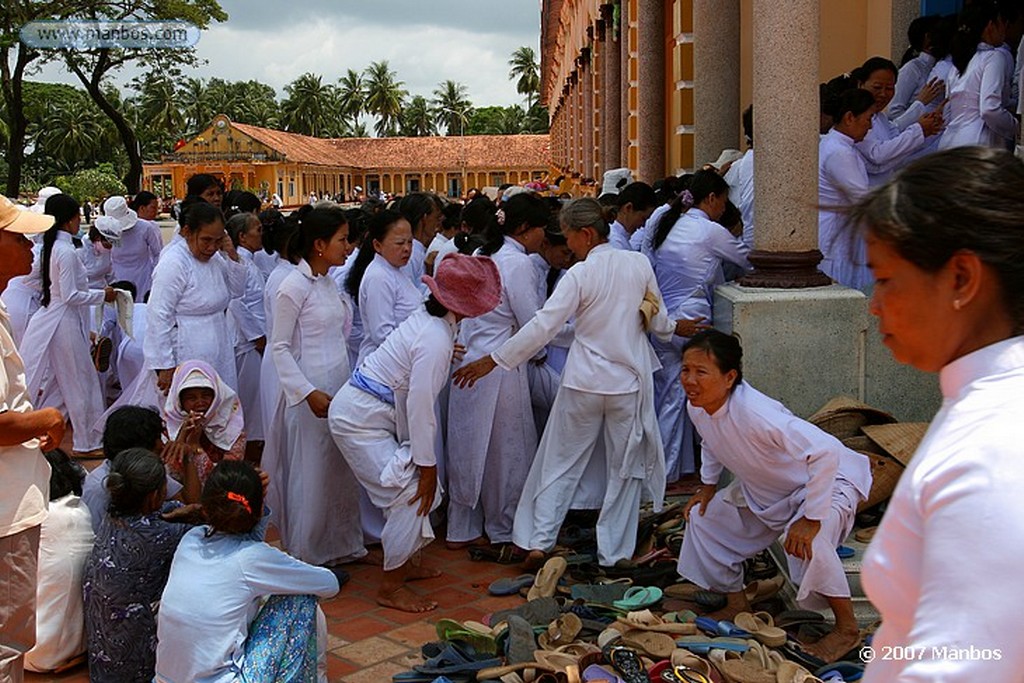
x=617 y=630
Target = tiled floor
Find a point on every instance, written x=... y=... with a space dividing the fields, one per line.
x=368 y=643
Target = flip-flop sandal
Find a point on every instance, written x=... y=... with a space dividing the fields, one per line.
x=597 y=673
x=455 y=660
x=762 y=627
x=601 y=593
x=845 y=552
x=449 y=630
x=561 y=631
x=865 y=535
x=521 y=641
x=546 y=582
x=536 y=612
x=510 y=585
x=762 y=589
x=723 y=628
x=702 y=645
x=627 y=662
x=101 y=351
x=655 y=645
x=639 y=597
x=794 y=651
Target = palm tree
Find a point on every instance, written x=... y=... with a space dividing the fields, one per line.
x=384 y=97
x=452 y=106
x=525 y=68
x=351 y=95
x=308 y=109
x=418 y=119
x=158 y=102
x=194 y=105
x=71 y=134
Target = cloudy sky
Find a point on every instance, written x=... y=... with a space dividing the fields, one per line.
x=424 y=41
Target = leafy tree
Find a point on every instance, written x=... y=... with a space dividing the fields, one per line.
x=94 y=66
x=195 y=105
x=93 y=183
x=310 y=107
x=351 y=95
x=525 y=71
x=453 y=107
x=384 y=97
x=418 y=119
x=537 y=120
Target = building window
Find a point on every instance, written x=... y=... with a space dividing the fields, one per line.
x=497 y=179
x=412 y=184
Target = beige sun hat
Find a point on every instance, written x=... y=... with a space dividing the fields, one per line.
x=844 y=416
x=22 y=221
x=900 y=440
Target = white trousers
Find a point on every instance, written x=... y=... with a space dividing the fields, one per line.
x=577 y=420
x=247 y=365
x=364 y=429
x=717 y=543
x=670 y=404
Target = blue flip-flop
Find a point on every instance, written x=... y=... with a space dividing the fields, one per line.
x=639 y=597
x=702 y=645
x=510 y=585
x=726 y=629
x=845 y=552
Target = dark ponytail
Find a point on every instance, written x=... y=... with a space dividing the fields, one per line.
x=233 y=497
x=378 y=227
x=970 y=26
x=414 y=207
x=63 y=208
x=317 y=224
x=704 y=183
x=523 y=208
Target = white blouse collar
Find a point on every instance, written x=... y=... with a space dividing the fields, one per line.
x=994 y=359
x=512 y=242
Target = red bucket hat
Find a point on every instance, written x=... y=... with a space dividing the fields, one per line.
x=467 y=285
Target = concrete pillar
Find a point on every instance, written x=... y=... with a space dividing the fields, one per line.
x=611 y=89
x=903 y=12
x=786 y=38
x=651 y=100
x=716 y=72
x=587 y=97
x=574 y=123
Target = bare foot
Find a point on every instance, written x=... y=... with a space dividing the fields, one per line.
x=535 y=559
x=405 y=600
x=373 y=557
x=833 y=645
x=420 y=572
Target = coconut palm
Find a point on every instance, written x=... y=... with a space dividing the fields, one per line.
x=194 y=105
x=418 y=119
x=384 y=97
x=71 y=134
x=452 y=106
x=158 y=104
x=309 y=107
x=524 y=67
x=351 y=95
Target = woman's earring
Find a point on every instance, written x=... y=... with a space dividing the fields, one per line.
x=956 y=304
x=319 y=253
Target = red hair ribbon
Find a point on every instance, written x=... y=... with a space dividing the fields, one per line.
x=239 y=498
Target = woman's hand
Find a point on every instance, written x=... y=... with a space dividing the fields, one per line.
x=319 y=402
x=468 y=374
x=801 y=536
x=702 y=497
x=109 y=294
x=458 y=352
x=176 y=455
x=228 y=247
x=425 y=489
x=931 y=90
x=931 y=124
x=163 y=379
x=53 y=428
x=192 y=513
x=264 y=481
x=688 y=328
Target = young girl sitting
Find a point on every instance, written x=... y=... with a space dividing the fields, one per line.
x=215 y=622
x=127 y=569
x=205 y=414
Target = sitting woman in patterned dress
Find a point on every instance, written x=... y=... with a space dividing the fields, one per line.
x=128 y=568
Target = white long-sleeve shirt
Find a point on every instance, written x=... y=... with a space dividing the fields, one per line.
x=887 y=148
x=842 y=180
x=414 y=362
x=740 y=177
x=136 y=255
x=311 y=323
x=780 y=460
x=978 y=101
x=386 y=298
x=187 y=312
x=688 y=264
x=247 y=312
x=951 y=539
x=213 y=593
x=618 y=237
x=912 y=78
x=611 y=349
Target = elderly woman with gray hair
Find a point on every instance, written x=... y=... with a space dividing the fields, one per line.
x=606 y=388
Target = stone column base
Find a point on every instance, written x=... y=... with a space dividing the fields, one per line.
x=785 y=270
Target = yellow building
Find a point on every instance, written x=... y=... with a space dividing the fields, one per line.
x=658 y=85
x=293 y=166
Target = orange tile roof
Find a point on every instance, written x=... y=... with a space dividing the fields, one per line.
x=426 y=153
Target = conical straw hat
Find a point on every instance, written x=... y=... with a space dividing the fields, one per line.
x=899 y=440
x=843 y=417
